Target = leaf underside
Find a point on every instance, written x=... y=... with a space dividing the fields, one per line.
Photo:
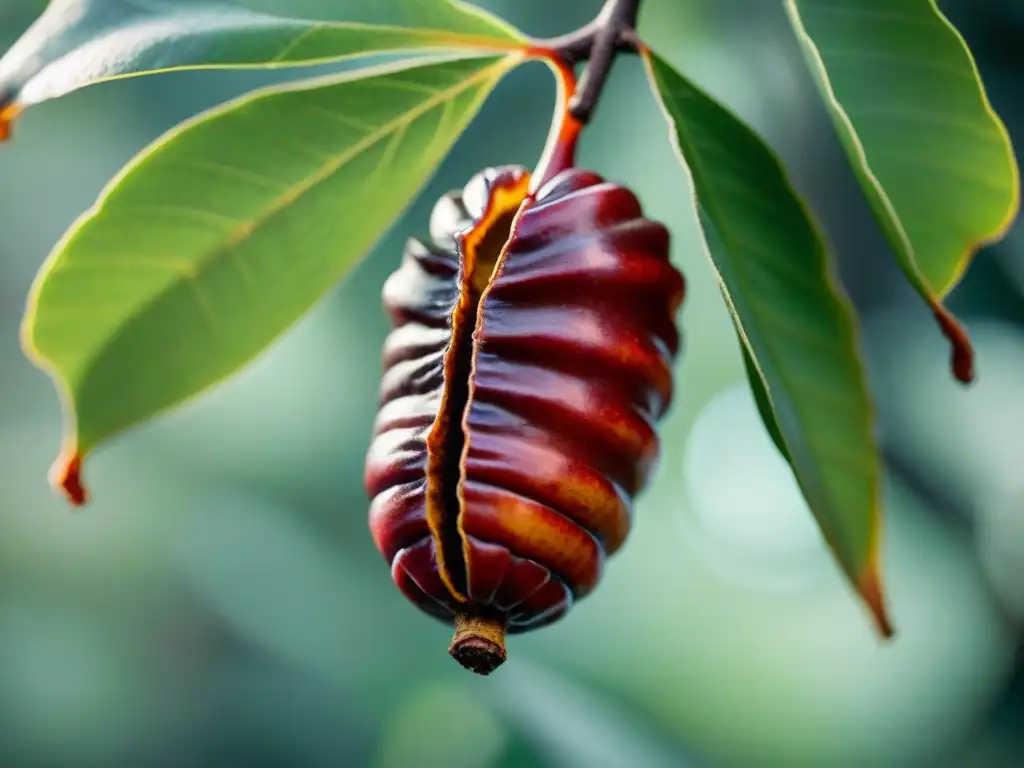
x=796 y=326
x=223 y=233
x=908 y=103
x=76 y=43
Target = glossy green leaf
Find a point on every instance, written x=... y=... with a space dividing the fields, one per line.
x=796 y=325
x=764 y=403
x=76 y=43
x=909 y=106
x=223 y=233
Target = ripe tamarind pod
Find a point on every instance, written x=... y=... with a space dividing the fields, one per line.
x=530 y=360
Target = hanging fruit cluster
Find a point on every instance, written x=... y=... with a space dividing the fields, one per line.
x=530 y=360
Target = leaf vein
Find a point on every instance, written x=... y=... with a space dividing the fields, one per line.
x=877 y=14
x=882 y=56
x=339 y=117
x=233 y=171
x=942 y=120
x=294 y=43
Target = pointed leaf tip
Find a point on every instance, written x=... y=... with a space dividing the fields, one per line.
x=870 y=589
x=7 y=115
x=962 y=352
x=66 y=475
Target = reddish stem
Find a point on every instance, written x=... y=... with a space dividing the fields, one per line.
x=560 y=152
x=598 y=43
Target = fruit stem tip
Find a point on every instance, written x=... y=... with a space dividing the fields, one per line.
x=479 y=643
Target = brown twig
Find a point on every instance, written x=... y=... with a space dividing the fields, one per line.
x=598 y=43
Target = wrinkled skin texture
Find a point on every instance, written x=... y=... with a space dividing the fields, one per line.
x=518 y=408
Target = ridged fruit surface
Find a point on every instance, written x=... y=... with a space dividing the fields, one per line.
x=530 y=361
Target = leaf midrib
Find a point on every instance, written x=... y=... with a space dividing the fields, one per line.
x=247 y=228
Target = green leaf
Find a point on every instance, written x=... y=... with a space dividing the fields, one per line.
x=223 y=233
x=76 y=43
x=764 y=403
x=795 y=323
x=908 y=103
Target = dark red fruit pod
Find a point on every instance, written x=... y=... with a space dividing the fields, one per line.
x=531 y=358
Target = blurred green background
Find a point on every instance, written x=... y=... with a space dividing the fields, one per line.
x=220 y=603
